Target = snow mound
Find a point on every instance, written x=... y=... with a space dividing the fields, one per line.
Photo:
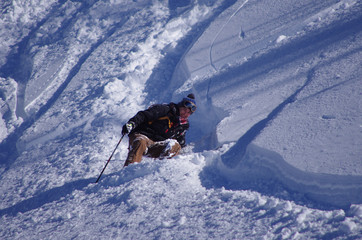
x=264 y=165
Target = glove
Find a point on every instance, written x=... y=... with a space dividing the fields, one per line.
x=127 y=128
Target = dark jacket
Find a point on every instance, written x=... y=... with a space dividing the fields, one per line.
x=160 y=122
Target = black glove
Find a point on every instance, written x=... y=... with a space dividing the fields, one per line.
x=127 y=128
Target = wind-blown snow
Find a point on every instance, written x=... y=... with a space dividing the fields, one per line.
x=274 y=149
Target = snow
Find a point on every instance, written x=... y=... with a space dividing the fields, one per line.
x=274 y=149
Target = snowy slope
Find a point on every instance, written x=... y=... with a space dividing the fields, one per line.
x=274 y=147
x=310 y=114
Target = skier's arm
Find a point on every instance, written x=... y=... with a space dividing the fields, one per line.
x=181 y=135
x=151 y=114
x=181 y=140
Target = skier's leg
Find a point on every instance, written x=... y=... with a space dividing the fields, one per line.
x=172 y=149
x=138 y=146
x=168 y=148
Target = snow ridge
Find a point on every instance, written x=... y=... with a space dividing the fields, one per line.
x=264 y=165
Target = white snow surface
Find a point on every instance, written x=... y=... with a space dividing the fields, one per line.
x=274 y=148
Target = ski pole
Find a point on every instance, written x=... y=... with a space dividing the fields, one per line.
x=109 y=159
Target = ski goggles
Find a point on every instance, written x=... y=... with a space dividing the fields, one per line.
x=190 y=105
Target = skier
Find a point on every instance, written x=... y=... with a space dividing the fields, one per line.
x=159 y=131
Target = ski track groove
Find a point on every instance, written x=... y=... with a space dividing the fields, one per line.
x=222 y=28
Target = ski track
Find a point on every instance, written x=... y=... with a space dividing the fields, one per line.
x=218 y=33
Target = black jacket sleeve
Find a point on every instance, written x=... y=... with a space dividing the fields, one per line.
x=153 y=113
x=181 y=139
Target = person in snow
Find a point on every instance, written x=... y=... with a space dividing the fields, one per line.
x=159 y=131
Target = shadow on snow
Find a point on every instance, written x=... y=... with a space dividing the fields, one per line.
x=46 y=197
